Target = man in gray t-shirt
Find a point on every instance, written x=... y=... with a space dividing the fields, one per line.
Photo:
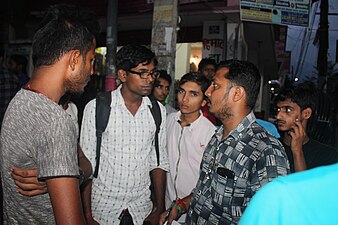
x=37 y=133
x=33 y=121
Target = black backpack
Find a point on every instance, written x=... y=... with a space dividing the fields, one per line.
x=103 y=100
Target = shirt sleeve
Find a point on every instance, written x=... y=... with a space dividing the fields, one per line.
x=271 y=164
x=58 y=154
x=88 y=133
x=162 y=139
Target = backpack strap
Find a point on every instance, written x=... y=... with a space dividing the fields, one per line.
x=156 y=112
x=103 y=100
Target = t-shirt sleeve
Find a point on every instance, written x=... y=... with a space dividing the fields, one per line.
x=57 y=155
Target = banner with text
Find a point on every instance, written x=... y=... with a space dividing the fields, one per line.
x=283 y=12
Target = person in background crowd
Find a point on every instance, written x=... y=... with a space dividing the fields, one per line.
x=295 y=106
x=37 y=132
x=161 y=90
x=9 y=86
x=188 y=133
x=17 y=65
x=207 y=67
x=120 y=194
x=239 y=159
x=305 y=198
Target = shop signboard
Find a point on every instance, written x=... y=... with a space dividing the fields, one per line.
x=282 y=12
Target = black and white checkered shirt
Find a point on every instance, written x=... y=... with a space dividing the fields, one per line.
x=9 y=86
x=232 y=171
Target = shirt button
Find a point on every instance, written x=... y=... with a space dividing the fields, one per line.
x=199 y=192
x=190 y=212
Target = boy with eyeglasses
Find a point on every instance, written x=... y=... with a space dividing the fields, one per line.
x=120 y=194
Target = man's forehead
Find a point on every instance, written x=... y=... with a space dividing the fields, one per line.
x=191 y=86
x=163 y=81
x=286 y=102
x=221 y=73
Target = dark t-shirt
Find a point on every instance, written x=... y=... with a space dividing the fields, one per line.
x=315 y=154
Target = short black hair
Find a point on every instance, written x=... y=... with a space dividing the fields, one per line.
x=20 y=60
x=164 y=75
x=130 y=56
x=245 y=74
x=64 y=28
x=197 y=78
x=206 y=61
x=303 y=94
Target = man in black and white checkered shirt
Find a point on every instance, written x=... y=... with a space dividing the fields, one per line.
x=240 y=158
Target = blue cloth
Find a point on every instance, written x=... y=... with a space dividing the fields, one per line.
x=305 y=198
x=270 y=127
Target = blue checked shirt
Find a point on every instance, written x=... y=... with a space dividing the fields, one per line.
x=232 y=171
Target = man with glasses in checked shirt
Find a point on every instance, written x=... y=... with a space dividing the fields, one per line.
x=120 y=194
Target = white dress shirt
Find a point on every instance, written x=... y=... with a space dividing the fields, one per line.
x=127 y=156
x=185 y=150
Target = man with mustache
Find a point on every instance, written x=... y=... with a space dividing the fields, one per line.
x=120 y=194
x=295 y=106
x=240 y=158
x=36 y=131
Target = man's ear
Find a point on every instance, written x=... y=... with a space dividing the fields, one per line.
x=74 y=58
x=306 y=113
x=122 y=74
x=238 y=93
x=203 y=103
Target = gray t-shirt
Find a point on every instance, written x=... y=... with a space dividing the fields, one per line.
x=36 y=133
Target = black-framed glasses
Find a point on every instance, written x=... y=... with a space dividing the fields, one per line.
x=144 y=75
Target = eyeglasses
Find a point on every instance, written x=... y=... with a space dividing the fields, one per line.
x=144 y=75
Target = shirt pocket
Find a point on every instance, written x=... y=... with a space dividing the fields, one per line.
x=222 y=189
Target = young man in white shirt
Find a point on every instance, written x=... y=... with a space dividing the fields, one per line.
x=188 y=133
x=121 y=191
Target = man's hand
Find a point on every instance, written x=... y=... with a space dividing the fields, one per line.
x=28 y=183
x=169 y=215
x=153 y=218
x=90 y=220
x=298 y=138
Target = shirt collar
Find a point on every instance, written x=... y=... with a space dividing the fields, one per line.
x=120 y=101
x=193 y=124
x=240 y=129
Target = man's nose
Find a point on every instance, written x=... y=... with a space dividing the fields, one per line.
x=208 y=91
x=279 y=114
x=150 y=79
x=185 y=97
